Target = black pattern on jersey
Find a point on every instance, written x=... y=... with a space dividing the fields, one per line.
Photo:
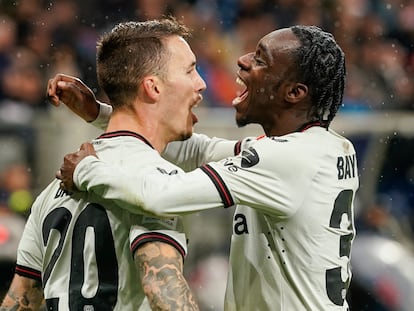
x=164 y=171
x=249 y=158
x=221 y=187
x=61 y=193
x=156 y=236
x=93 y=218
x=279 y=140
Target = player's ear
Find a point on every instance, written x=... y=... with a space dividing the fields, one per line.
x=296 y=92
x=151 y=87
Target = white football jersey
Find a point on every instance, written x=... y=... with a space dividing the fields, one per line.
x=293 y=225
x=79 y=246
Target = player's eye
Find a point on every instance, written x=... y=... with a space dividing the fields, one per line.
x=259 y=61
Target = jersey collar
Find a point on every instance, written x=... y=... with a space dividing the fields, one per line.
x=125 y=133
x=308 y=125
x=302 y=128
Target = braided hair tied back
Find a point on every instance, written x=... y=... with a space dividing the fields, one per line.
x=321 y=66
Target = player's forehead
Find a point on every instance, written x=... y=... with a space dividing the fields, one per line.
x=179 y=51
x=278 y=41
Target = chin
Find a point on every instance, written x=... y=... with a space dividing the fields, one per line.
x=241 y=121
x=186 y=135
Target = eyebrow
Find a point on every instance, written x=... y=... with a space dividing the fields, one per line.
x=193 y=64
x=264 y=48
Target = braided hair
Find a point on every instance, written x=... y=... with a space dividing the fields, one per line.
x=321 y=66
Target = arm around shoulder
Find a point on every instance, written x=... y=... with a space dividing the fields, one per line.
x=79 y=98
x=148 y=189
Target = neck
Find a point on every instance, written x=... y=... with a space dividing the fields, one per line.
x=128 y=119
x=288 y=121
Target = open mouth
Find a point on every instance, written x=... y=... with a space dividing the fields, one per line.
x=193 y=115
x=194 y=118
x=242 y=93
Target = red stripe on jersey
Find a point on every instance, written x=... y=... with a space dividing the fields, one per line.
x=220 y=185
x=260 y=137
x=125 y=133
x=156 y=236
x=28 y=272
x=306 y=126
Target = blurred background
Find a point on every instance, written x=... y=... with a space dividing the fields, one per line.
x=40 y=38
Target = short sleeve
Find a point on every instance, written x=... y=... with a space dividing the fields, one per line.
x=166 y=229
x=29 y=252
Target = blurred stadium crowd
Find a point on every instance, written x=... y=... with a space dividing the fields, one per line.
x=39 y=38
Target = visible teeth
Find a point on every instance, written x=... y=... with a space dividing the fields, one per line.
x=236 y=101
x=240 y=81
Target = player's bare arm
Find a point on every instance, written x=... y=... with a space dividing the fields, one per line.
x=24 y=294
x=161 y=269
x=74 y=94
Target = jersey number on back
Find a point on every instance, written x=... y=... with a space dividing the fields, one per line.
x=92 y=217
x=335 y=287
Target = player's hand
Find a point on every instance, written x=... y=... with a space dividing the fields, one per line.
x=73 y=93
x=65 y=174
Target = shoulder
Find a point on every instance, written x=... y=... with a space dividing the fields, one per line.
x=48 y=193
x=288 y=147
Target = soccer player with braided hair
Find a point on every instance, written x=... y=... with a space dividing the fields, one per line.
x=293 y=187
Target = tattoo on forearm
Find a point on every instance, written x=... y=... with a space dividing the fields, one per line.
x=161 y=270
x=26 y=296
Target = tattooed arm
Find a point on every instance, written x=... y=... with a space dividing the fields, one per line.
x=24 y=294
x=160 y=266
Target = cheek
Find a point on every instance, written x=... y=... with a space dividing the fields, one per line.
x=181 y=90
x=173 y=97
x=265 y=94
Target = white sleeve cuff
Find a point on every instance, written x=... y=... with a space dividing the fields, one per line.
x=104 y=114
